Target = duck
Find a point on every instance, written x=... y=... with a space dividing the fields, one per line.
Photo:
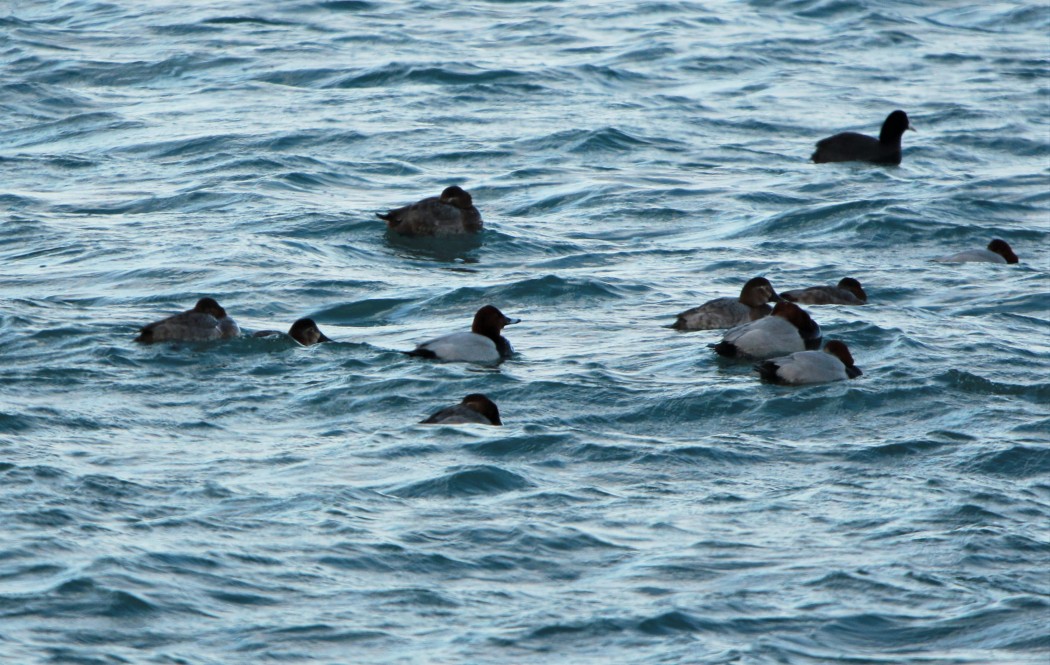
x=854 y=147
x=206 y=321
x=451 y=213
x=999 y=251
x=847 y=292
x=483 y=343
x=786 y=330
x=304 y=331
x=834 y=363
x=475 y=408
x=729 y=312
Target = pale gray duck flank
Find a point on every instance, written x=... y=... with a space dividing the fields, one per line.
x=483 y=343
x=834 y=363
x=786 y=330
x=998 y=251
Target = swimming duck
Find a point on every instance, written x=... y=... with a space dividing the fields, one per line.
x=452 y=213
x=483 y=343
x=475 y=408
x=834 y=363
x=786 y=330
x=206 y=321
x=854 y=147
x=999 y=251
x=728 y=312
x=847 y=292
x=304 y=331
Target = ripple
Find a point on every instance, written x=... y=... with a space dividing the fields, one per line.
x=645 y=498
x=468 y=481
x=1013 y=462
x=400 y=73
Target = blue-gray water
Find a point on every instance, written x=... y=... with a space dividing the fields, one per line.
x=251 y=502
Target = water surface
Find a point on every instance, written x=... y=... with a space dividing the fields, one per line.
x=253 y=501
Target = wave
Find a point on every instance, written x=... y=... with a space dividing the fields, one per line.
x=468 y=481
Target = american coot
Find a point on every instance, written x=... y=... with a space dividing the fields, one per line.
x=854 y=147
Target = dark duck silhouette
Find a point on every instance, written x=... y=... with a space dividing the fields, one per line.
x=854 y=147
x=452 y=213
x=304 y=331
x=475 y=408
x=206 y=321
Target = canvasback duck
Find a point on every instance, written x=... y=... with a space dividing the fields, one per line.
x=729 y=312
x=999 y=251
x=786 y=330
x=304 y=331
x=206 y=321
x=475 y=408
x=847 y=292
x=483 y=343
x=854 y=147
x=452 y=213
x=834 y=363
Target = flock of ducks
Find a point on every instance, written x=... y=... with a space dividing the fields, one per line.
x=783 y=340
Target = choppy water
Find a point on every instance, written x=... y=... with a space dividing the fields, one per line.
x=250 y=502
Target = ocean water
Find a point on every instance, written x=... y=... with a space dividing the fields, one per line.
x=253 y=501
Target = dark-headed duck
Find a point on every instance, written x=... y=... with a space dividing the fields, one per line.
x=847 y=292
x=728 y=312
x=834 y=363
x=206 y=321
x=999 y=251
x=475 y=408
x=483 y=343
x=452 y=213
x=304 y=331
x=786 y=330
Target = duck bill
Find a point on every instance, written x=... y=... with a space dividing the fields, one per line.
x=507 y=321
x=321 y=337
